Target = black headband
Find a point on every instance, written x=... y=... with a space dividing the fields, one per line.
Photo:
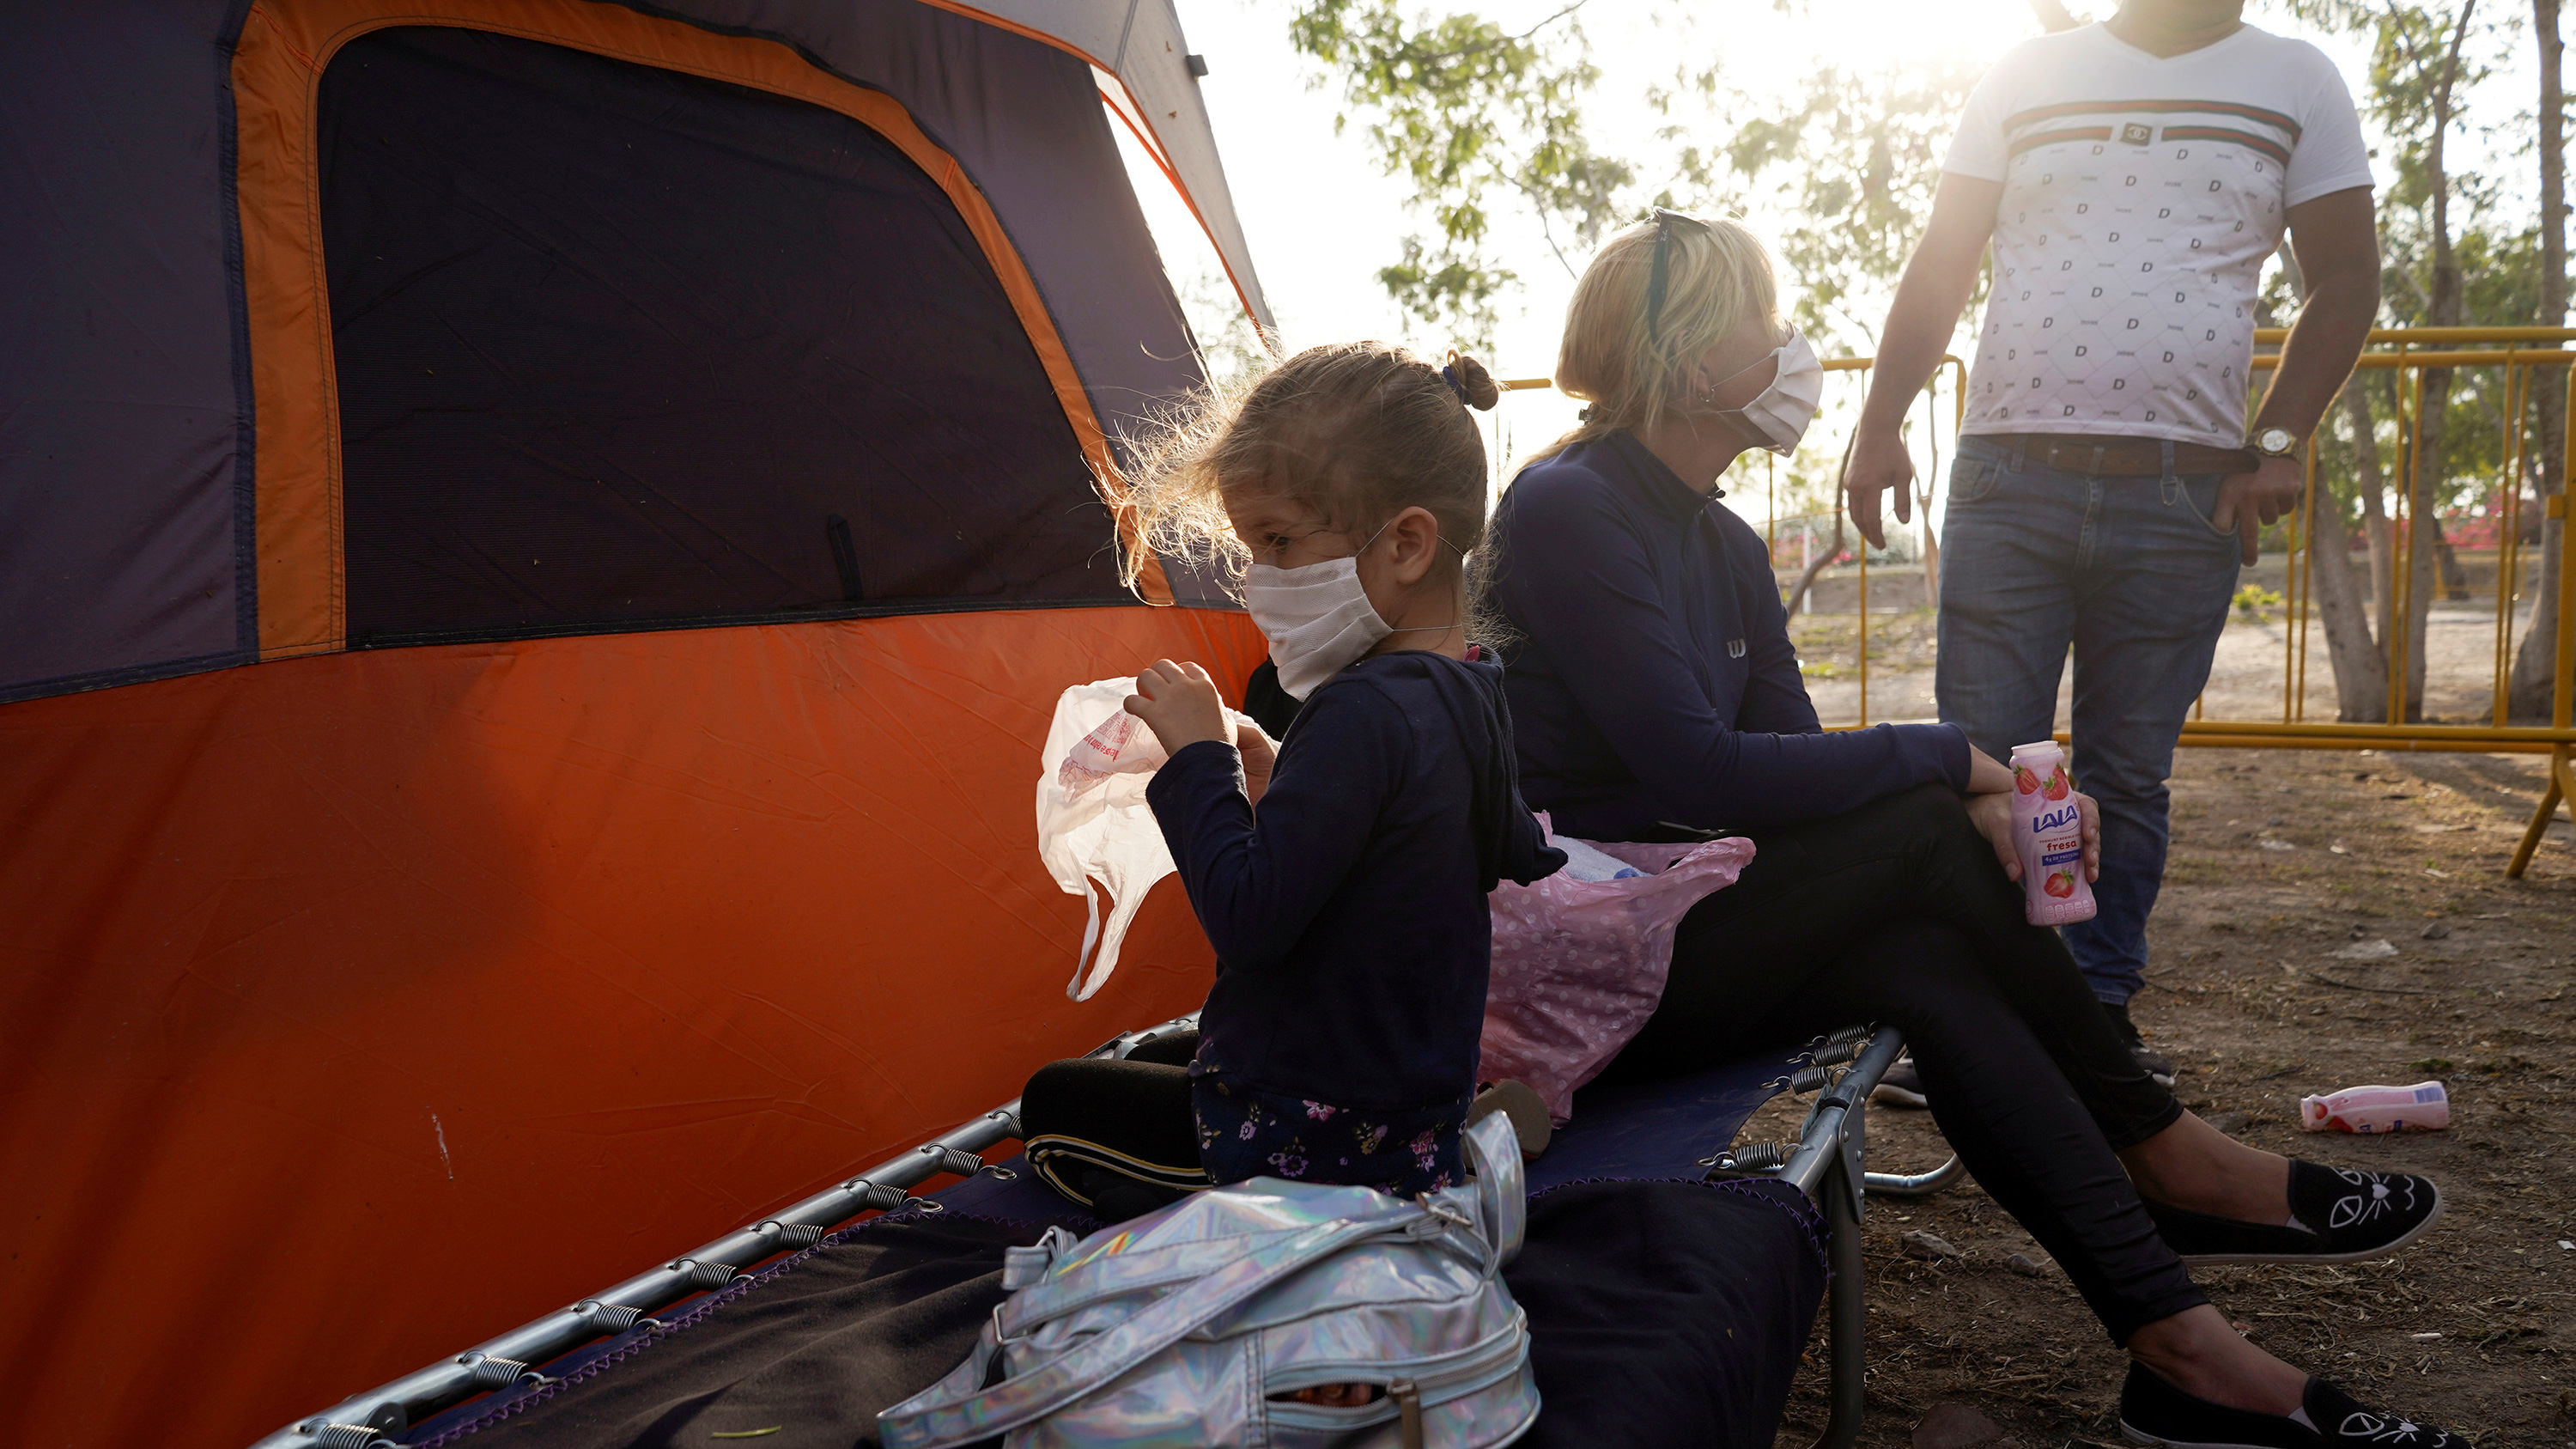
x=1657 y=279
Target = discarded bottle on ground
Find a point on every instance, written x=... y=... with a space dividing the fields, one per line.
x=2423 y=1107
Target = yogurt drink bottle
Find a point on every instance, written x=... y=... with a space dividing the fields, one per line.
x=2049 y=828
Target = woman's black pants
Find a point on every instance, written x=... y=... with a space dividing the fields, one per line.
x=1895 y=913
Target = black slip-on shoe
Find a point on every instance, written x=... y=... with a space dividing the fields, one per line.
x=2155 y=1412
x=2348 y=1216
x=2158 y=1065
x=1900 y=1086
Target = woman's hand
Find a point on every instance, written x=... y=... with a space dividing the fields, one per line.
x=1986 y=774
x=1258 y=756
x=1997 y=820
x=1179 y=703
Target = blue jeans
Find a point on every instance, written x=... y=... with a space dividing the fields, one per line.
x=2128 y=571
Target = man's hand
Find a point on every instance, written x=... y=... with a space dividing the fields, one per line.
x=1878 y=462
x=1994 y=816
x=1179 y=702
x=2247 y=501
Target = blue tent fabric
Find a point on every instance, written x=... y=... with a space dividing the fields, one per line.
x=127 y=512
x=121 y=499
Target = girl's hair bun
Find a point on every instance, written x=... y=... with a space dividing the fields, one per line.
x=1475 y=386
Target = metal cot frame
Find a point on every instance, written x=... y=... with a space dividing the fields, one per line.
x=1825 y=1163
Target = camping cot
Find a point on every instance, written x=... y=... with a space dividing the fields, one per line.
x=585 y=1375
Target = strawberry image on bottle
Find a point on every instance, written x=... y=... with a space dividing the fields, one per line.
x=2048 y=829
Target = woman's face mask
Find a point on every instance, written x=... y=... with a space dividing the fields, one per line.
x=1785 y=408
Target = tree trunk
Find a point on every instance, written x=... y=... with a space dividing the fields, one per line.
x=1931 y=551
x=2360 y=674
x=1817 y=565
x=2360 y=666
x=2425 y=473
x=2446 y=561
x=2370 y=480
x=2536 y=661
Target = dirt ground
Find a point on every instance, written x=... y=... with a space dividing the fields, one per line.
x=2280 y=859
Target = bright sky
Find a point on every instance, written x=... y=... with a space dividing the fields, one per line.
x=1322 y=219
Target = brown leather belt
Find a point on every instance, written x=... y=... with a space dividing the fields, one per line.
x=2110 y=457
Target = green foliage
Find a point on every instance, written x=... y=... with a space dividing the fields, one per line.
x=1852 y=164
x=1468 y=113
x=2256 y=602
x=2498 y=259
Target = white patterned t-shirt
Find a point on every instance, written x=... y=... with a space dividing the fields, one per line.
x=2142 y=195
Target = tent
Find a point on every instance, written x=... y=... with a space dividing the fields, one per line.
x=538 y=539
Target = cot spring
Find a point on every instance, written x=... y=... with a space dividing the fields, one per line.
x=608 y=1317
x=499 y=1373
x=791 y=1235
x=704 y=1275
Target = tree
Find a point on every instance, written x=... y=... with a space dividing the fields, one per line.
x=2535 y=662
x=1465 y=110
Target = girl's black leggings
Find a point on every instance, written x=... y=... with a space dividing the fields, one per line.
x=1896 y=913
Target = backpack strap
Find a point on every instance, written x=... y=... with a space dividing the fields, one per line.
x=958 y=1410
x=1502 y=1202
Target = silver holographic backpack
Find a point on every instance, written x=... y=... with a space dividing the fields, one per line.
x=1179 y=1327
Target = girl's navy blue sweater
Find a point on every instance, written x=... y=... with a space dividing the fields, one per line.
x=1653 y=679
x=1348 y=912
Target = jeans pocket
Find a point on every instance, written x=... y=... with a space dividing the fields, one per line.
x=1974 y=479
x=2199 y=495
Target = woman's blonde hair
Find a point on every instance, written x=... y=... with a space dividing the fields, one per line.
x=1357 y=431
x=1717 y=274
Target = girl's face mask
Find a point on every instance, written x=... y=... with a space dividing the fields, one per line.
x=1785 y=408
x=1317 y=618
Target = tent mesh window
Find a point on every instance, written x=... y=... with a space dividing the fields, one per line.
x=623 y=348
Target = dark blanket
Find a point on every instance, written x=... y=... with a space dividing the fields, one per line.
x=1667 y=1313
x=1661 y=1313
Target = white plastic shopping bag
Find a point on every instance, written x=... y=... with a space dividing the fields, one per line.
x=1093 y=822
x=1580 y=957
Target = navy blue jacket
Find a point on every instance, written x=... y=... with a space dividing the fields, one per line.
x=1653 y=678
x=1348 y=914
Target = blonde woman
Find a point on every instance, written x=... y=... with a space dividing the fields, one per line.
x=1653 y=686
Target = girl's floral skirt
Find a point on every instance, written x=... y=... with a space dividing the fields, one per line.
x=1247 y=1132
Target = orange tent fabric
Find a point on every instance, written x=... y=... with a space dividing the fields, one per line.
x=360 y=1006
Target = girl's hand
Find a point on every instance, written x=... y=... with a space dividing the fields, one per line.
x=1179 y=703
x=1994 y=816
x=1258 y=756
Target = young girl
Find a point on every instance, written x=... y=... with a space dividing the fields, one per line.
x=1339 y=1044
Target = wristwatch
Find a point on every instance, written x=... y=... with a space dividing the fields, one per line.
x=2276 y=443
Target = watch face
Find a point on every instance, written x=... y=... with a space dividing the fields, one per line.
x=2275 y=440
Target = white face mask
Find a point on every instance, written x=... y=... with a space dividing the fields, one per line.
x=1317 y=618
x=1788 y=405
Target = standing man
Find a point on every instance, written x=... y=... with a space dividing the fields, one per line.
x=2132 y=177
